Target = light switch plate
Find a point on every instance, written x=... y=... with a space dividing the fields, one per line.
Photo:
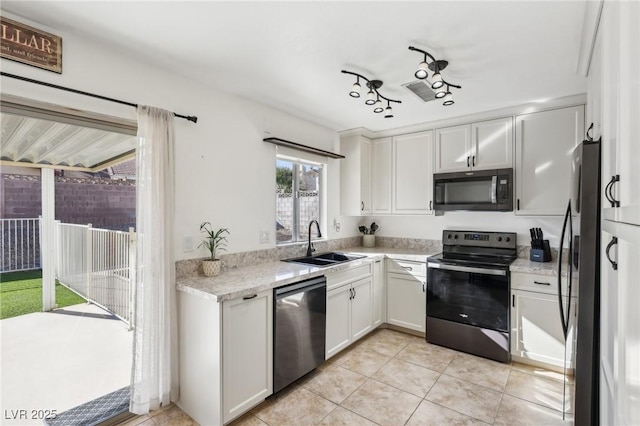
x=187 y=244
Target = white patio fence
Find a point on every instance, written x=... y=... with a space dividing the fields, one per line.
x=99 y=265
x=19 y=244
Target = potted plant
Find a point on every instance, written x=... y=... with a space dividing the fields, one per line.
x=214 y=241
x=368 y=239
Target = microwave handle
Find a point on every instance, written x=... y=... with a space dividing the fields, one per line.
x=494 y=189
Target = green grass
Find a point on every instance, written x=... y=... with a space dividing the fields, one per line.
x=21 y=293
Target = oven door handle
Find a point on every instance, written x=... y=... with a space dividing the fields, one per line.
x=467 y=269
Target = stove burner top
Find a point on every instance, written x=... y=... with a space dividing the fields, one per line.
x=478 y=249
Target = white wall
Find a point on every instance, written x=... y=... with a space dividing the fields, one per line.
x=223 y=168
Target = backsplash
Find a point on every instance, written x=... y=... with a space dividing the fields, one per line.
x=193 y=267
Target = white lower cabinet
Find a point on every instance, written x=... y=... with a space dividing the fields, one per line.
x=247 y=353
x=536 y=330
x=406 y=295
x=349 y=314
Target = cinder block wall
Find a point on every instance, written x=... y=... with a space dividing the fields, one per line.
x=104 y=203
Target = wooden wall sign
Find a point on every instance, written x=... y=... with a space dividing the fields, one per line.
x=31 y=46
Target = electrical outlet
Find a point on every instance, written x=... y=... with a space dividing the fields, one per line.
x=264 y=236
x=336 y=225
x=187 y=244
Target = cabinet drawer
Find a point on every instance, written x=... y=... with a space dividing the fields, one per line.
x=408 y=267
x=538 y=283
x=336 y=279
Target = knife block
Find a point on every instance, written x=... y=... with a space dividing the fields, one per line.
x=541 y=255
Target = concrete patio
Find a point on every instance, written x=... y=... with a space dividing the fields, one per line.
x=58 y=360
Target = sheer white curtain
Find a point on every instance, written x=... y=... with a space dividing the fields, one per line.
x=155 y=346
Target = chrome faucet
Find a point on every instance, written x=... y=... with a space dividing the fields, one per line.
x=310 y=248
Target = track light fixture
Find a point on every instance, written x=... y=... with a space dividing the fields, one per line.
x=373 y=96
x=437 y=82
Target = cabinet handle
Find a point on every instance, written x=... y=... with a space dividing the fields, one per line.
x=473 y=161
x=407 y=268
x=608 y=191
x=424 y=288
x=250 y=297
x=350 y=293
x=518 y=204
x=614 y=264
x=541 y=283
x=468 y=160
x=377 y=261
x=513 y=300
x=430 y=204
x=361 y=206
x=354 y=293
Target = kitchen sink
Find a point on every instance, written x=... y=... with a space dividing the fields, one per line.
x=324 y=259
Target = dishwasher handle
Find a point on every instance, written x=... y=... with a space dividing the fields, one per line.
x=300 y=287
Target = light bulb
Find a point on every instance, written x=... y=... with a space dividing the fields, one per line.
x=355 y=91
x=441 y=92
x=422 y=71
x=448 y=99
x=378 y=107
x=436 y=81
x=371 y=98
x=388 y=112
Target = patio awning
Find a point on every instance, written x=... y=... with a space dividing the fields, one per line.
x=36 y=137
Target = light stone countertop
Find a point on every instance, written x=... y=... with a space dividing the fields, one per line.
x=248 y=280
x=541 y=268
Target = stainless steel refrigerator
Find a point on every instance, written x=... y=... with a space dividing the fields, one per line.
x=584 y=260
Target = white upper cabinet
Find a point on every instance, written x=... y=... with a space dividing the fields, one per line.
x=477 y=146
x=620 y=85
x=453 y=149
x=492 y=144
x=413 y=173
x=355 y=176
x=544 y=146
x=381 y=176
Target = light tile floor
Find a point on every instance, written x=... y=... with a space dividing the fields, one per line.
x=392 y=378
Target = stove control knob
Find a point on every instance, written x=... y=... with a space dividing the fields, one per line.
x=499 y=239
x=508 y=239
x=449 y=236
x=455 y=237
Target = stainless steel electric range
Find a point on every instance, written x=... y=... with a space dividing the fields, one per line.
x=468 y=288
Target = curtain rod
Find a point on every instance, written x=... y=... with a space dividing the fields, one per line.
x=192 y=118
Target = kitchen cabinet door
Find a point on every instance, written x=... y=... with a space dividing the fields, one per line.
x=492 y=144
x=406 y=301
x=247 y=353
x=622 y=44
x=453 y=149
x=620 y=322
x=536 y=331
x=413 y=173
x=379 y=294
x=381 y=176
x=355 y=176
x=544 y=146
x=361 y=304
x=338 y=333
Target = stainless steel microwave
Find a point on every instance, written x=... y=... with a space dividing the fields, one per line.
x=489 y=190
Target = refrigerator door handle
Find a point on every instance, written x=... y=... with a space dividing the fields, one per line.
x=567 y=220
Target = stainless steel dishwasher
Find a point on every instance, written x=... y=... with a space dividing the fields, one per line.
x=299 y=330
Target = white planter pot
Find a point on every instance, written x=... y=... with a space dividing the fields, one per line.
x=368 y=241
x=211 y=268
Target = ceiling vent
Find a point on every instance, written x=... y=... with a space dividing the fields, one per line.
x=422 y=89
